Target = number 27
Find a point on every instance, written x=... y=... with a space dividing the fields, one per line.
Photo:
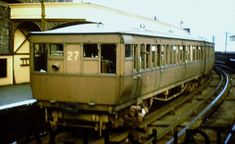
x=72 y=55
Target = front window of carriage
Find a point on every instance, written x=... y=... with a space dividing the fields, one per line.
x=56 y=49
x=41 y=52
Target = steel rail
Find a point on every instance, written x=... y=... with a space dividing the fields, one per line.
x=214 y=103
x=226 y=67
x=230 y=135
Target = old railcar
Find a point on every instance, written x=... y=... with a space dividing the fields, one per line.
x=91 y=74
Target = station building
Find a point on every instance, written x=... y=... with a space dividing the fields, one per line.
x=14 y=44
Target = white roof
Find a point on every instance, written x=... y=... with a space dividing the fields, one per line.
x=100 y=28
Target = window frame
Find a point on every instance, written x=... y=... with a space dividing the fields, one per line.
x=96 y=54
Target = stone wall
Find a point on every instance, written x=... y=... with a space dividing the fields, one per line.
x=4 y=28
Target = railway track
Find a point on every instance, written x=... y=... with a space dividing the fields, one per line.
x=173 y=122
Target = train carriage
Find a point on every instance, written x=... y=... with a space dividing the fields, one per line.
x=94 y=72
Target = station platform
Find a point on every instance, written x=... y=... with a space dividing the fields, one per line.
x=15 y=95
x=21 y=119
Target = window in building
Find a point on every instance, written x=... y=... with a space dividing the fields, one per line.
x=24 y=61
x=56 y=49
x=3 y=68
x=128 y=50
x=90 y=50
x=108 y=58
x=40 y=57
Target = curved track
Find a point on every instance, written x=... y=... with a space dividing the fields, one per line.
x=185 y=113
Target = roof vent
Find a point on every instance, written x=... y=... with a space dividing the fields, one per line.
x=142 y=26
x=100 y=24
x=171 y=31
x=187 y=30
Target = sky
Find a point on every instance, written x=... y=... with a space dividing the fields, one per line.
x=206 y=18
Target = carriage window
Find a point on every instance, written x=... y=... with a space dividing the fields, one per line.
x=40 y=57
x=175 y=52
x=158 y=55
x=142 y=55
x=187 y=53
x=163 y=57
x=128 y=50
x=181 y=54
x=56 y=49
x=171 y=52
x=90 y=50
x=135 y=56
x=167 y=54
x=108 y=58
x=194 y=53
x=148 y=56
x=199 y=53
x=154 y=54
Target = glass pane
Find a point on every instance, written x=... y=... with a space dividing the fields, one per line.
x=128 y=50
x=108 y=58
x=56 y=50
x=40 y=57
x=90 y=50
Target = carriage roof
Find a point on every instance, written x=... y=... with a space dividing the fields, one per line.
x=100 y=28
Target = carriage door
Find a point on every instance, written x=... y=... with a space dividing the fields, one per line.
x=72 y=58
